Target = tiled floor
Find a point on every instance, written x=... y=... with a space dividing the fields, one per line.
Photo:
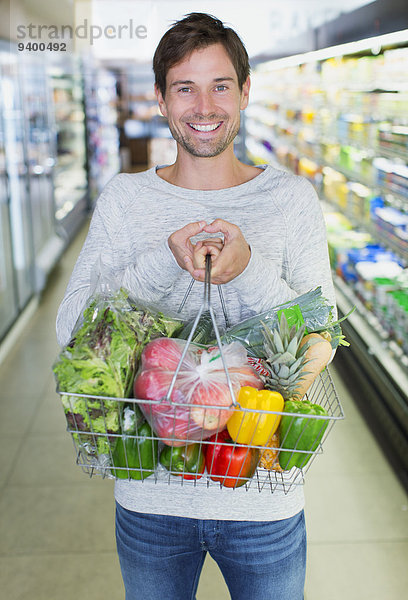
x=57 y=526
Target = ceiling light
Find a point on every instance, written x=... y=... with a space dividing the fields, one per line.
x=388 y=39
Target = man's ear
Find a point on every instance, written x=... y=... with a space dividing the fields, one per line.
x=245 y=93
x=160 y=100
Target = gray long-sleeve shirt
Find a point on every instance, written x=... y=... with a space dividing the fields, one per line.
x=280 y=216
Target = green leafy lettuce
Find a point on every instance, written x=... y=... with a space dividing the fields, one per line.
x=101 y=360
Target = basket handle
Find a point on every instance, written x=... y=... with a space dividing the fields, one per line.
x=206 y=305
x=220 y=293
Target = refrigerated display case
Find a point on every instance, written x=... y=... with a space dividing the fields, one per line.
x=102 y=127
x=48 y=245
x=19 y=209
x=68 y=117
x=341 y=121
x=43 y=177
x=8 y=300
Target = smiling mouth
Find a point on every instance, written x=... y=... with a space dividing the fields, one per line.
x=205 y=128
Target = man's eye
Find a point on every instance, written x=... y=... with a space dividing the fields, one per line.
x=185 y=89
x=221 y=88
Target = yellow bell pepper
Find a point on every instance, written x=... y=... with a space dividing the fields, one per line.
x=255 y=428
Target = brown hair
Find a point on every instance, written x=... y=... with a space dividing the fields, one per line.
x=195 y=31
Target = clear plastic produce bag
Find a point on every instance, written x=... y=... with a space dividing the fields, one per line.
x=310 y=308
x=102 y=358
x=199 y=403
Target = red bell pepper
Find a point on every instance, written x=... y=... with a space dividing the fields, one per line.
x=230 y=463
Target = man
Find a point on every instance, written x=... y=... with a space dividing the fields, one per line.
x=269 y=247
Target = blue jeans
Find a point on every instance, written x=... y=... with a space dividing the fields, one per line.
x=161 y=557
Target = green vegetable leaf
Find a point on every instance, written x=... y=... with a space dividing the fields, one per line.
x=102 y=358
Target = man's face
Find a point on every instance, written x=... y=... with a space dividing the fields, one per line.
x=203 y=101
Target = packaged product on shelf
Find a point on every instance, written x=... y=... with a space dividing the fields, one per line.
x=359 y=201
x=391 y=175
x=395 y=65
x=397 y=304
x=392 y=226
x=397 y=308
x=309 y=169
x=377 y=266
x=341 y=238
x=336 y=222
x=369 y=263
x=393 y=138
x=381 y=287
x=335 y=187
x=330 y=152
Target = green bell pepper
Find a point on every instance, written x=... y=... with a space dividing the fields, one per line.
x=300 y=436
x=135 y=455
x=186 y=461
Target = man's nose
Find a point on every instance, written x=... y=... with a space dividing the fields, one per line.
x=204 y=104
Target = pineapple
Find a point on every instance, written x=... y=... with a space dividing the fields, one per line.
x=285 y=359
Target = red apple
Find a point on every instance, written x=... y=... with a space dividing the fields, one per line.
x=164 y=353
x=153 y=384
x=245 y=375
x=174 y=425
x=211 y=394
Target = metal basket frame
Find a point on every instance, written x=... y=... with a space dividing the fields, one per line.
x=88 y=442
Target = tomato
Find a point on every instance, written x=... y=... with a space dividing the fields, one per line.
x=229 y=463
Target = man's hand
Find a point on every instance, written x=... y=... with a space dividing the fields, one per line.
x=211 y=246
x=232 y=258
x=181 y=246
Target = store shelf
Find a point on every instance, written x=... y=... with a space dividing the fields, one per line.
x=102 y=116
x=376 y=340
x=65 y=81
x=332 y=121
x=371 y=369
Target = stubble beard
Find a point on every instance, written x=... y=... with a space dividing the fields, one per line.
x=204 y=149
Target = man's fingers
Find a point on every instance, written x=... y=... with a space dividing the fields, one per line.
x=199 y=274
x=194 y=271
x=188 y=263
x=210 y=246
x=183 y=235
x=218 y=225
x=229 y=256
x=224 y=227
x=212 y=240
x=179 y=241
x=192 y=229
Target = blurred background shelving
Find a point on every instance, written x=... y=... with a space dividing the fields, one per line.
x=341 y=121
x=329 y=104
x=328 y=101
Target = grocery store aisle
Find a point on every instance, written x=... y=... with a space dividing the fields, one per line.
x=57 y=525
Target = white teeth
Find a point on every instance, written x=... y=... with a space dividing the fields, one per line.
x=204 y=127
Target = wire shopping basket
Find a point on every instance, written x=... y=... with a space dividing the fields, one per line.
x=113 y=439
